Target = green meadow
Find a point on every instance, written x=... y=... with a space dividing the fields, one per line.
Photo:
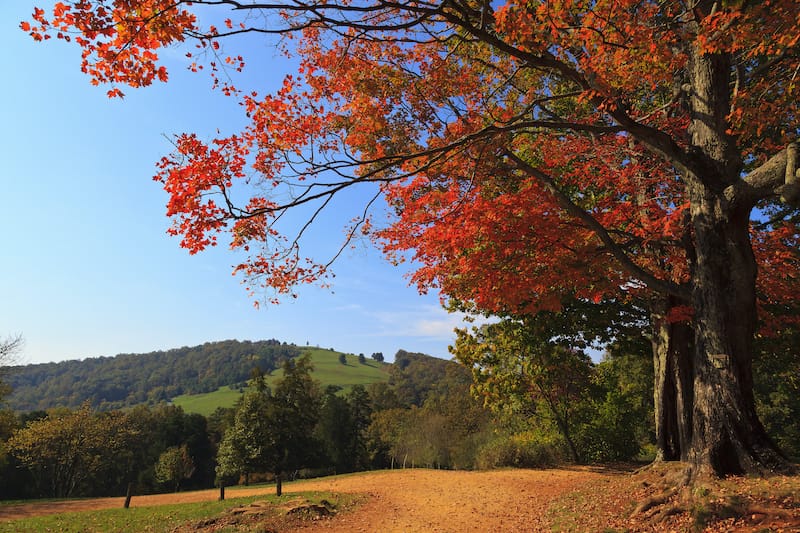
x=328 y=370
x=168 y=518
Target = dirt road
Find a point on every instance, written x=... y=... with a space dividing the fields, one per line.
x=397 y=501
x=446 y=501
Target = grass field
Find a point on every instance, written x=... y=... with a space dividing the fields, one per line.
x=327 y=370
x=180 y=517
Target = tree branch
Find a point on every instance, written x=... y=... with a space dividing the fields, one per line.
x=9 y=347
x=778 y=176
x=602 y=233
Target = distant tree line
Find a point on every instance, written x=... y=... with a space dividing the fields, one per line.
x=126 y=380
x=83 y=452
x=517 y=397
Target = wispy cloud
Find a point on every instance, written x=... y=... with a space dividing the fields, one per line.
x=428 y=321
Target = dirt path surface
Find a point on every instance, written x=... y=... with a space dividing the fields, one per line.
x=447 y=501
x=396 y=501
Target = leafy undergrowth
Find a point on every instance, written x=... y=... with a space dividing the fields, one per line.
x=657 y=498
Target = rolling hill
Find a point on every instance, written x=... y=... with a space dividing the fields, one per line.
x=327 y=370
x=197 y=377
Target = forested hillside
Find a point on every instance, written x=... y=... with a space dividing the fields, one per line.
x=328 y=369
x=421 y=414
x=131 y=379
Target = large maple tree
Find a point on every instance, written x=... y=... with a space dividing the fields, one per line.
x=532 y=151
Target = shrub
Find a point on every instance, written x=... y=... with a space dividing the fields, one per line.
x=521 y=450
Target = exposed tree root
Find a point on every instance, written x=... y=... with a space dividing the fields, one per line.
x=665 y=513
x=655 y=501
x=679 y=496
x=670 y=488
x=762 y=515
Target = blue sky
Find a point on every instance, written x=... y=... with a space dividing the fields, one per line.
x=86 y=266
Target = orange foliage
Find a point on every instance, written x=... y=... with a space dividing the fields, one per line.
x=429 y=101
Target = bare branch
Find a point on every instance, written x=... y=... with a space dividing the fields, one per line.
x=9 y=348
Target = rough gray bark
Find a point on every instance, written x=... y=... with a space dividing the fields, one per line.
x=672 y=389
x=705 y=409
x=726 y=436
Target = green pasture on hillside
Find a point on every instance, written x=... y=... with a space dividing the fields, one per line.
x=327 y=370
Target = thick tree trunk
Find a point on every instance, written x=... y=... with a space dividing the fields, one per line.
x=727 y=437
x=672 y=391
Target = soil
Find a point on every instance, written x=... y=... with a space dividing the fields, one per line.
x=450 y=501
x=395 y=501
x=507 y=501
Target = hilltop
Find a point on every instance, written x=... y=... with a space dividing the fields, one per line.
x=197 y=377
x=328 y=370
